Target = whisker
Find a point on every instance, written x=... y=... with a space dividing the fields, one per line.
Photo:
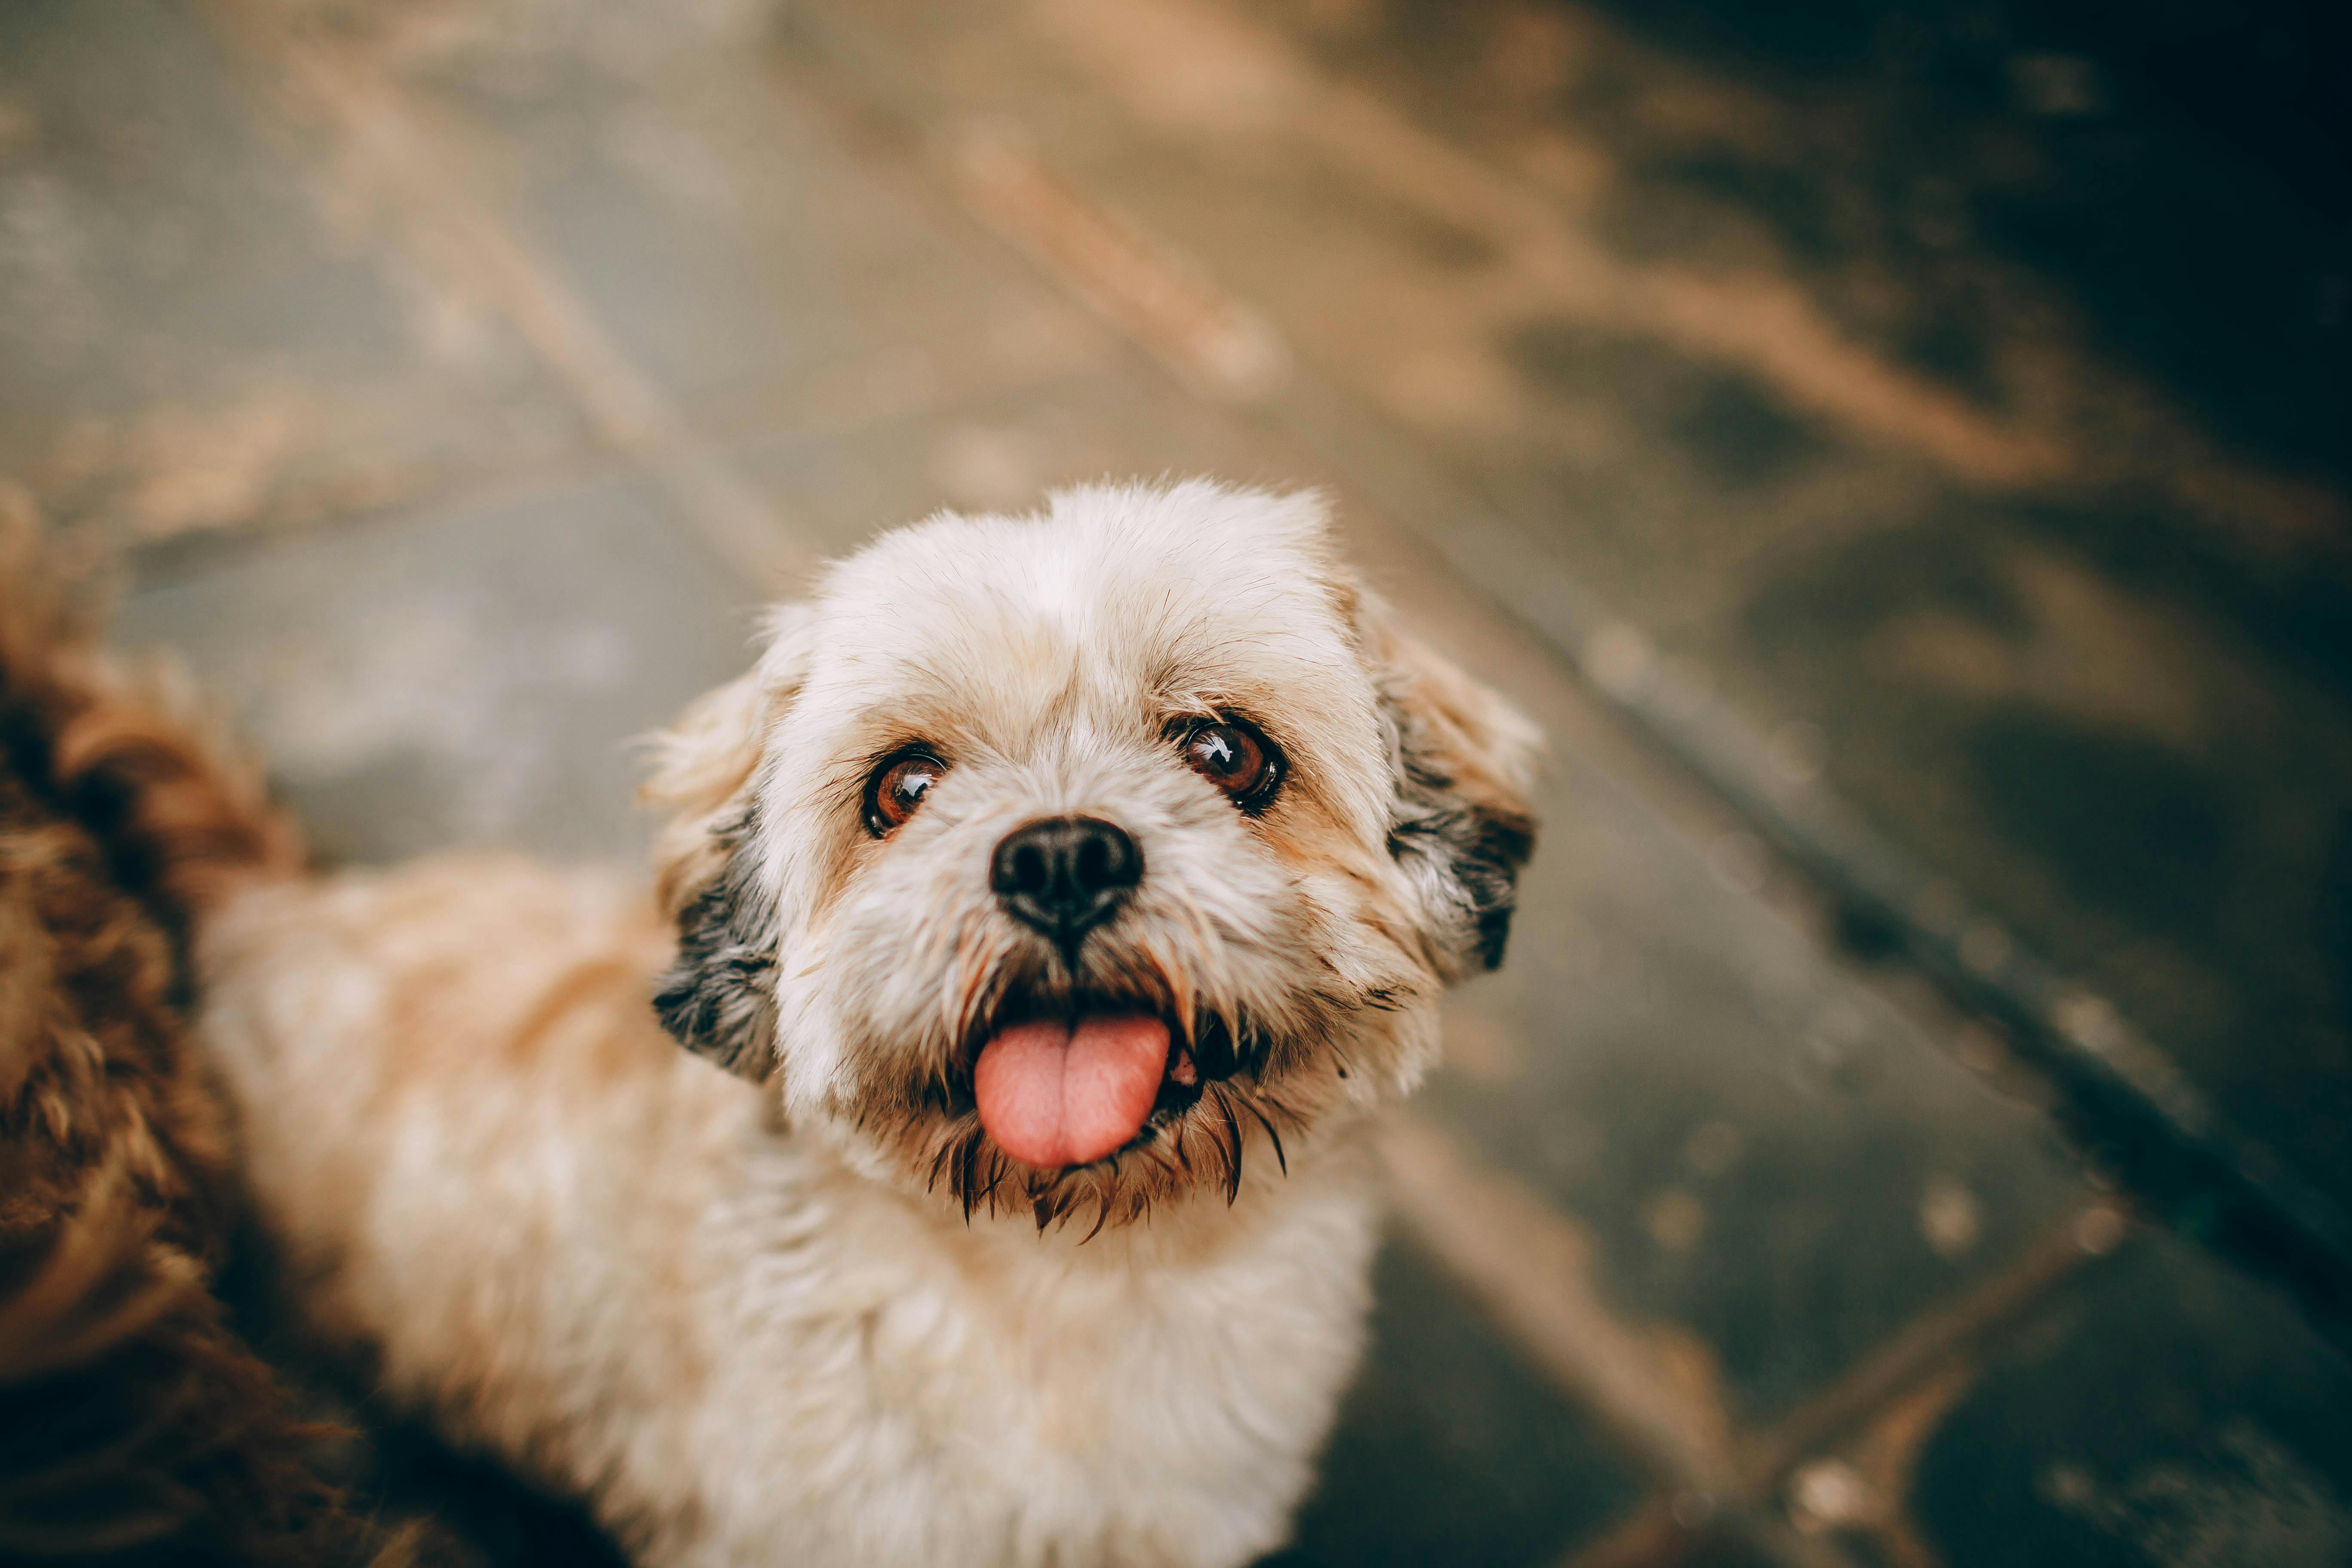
x=1272 y=1135
x=965 y=1174
x=1102 y=1217
x=1234 y=1134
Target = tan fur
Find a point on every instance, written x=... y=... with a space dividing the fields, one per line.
x=807 y=1310
x=702 y=764
x=1479 y=736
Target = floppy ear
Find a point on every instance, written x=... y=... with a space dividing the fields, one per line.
x=1459 y=822
x=718 y=998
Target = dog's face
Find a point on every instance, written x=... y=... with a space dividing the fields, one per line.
x=1056 y=864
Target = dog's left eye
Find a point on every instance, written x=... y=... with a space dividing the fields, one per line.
x=898 y=788
x=1236 y=759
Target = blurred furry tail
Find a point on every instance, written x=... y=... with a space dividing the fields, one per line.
x=131 y=751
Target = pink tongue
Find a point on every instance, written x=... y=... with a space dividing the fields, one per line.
x=1054 y=1095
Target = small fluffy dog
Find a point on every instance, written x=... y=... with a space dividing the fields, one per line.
x=1074 y=889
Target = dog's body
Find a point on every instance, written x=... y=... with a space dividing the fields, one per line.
x=1074 y=889
x=746 y=1351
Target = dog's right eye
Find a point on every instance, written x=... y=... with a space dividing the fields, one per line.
x=1237 y=759
x=898 y=788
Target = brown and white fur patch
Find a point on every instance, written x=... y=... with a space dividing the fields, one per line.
x=812 y=1309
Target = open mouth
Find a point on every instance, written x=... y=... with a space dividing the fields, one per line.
x=1083 y=1083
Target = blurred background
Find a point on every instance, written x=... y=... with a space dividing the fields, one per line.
x=1899 y=452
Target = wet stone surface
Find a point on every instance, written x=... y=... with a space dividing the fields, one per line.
x=2162 y=1414
x=742 y=271
x=2165 y=824
x=469 y=677
x=1001 y=450
x=1769 y=1156
x=193 y=332
x=1450 y=1449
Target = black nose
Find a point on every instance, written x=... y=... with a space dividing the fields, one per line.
x=1065 y=875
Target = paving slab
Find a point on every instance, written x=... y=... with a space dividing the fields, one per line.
x=195 y=331
x=642 y=164
x=1771 y=1158
x=1001 y=449
x=1450 y=1449
x=470 y=675
x=2162 y=1413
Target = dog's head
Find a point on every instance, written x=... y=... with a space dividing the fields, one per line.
x=1055 y=863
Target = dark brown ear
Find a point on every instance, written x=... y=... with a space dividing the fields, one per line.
x=1460 y=821
x=718 y=998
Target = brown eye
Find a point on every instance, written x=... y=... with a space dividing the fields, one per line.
x=1236 y=759
x=898 y=788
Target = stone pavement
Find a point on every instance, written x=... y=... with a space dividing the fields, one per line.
x=459 y=377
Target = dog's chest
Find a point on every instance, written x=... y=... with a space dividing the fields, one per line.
x=999 y=1398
